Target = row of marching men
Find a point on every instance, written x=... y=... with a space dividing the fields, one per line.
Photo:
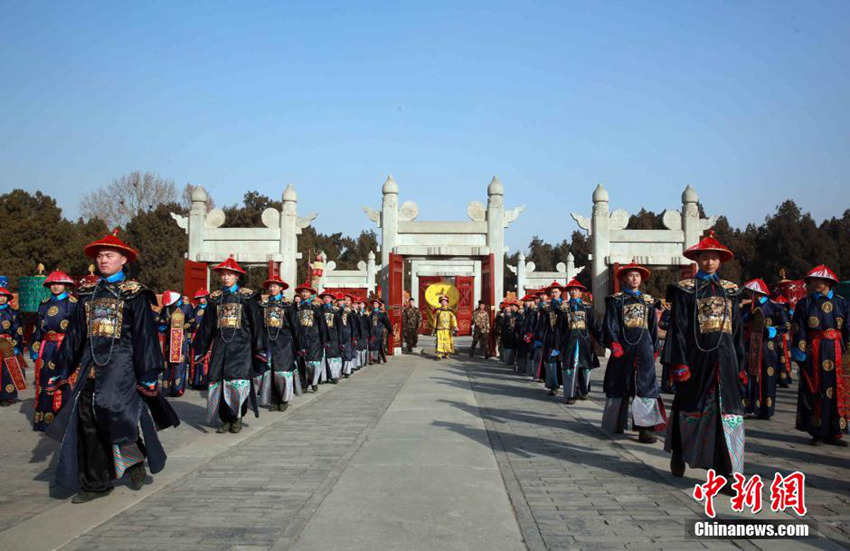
x=723 y=356
x=105 y=360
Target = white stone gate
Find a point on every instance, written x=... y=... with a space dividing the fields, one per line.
x=612 y=243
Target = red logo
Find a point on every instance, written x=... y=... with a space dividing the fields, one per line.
x=786 y=492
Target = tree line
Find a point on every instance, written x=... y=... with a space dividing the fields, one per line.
x=35 y=231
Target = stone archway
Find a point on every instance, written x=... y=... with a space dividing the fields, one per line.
x=440 y=247
x=612 y=244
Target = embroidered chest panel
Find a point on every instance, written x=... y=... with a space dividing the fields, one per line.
x=344 y=317
x=178 y=319
x=578 y=320
x=553 y=318
x=444 y=320
x=273 y=317
x=230 y=315
x=511 y=322
x=634 y=316
x=329 y=319
x=305 y=317
x=714 y=314
x=104 y=317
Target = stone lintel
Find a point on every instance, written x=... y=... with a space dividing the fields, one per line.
x=243 y=234
x=437 y=227
x=649 y=260
x=424 y=250
x=648 y=236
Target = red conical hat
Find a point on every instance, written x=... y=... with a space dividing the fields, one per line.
x=324 y=294
x=709 y=243
x=554 y=285
x=58 y=277
x=111 y=241
x=170 y=297
x=575 y=283
x=821 y=272
x=275 y=279
x=305 y=287
x=339 y=296
x=6 y=292
x=757 y=285
x=633 y=266
x=201 y=293
x=229 y=265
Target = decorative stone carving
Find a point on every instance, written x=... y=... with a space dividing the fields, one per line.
x=304 y=221
x=271 y=218
x=512 y=214
x=476 y=212
x=330 y=265
x=560 y=267
x=408 y=211
x=530 y=267
x=582 y=221
x=373 y=215
x=215 y=219
x=362 y=265
x=672 y=219
x=182 y=221
x=708 y=223
x=618 y=220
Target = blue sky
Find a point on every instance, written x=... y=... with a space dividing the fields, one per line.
x=746 y=101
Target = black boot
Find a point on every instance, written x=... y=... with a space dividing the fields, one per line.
x=137 y=475
x=334 y=381
x=283 y=406
x=222 y=428
x=85 y=497
x=677 y=466
x=571 y=401
x=236 y=426
x=645 y=436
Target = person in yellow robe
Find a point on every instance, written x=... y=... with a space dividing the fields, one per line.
x=445 y=325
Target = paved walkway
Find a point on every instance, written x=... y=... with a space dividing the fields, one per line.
x=416 y=454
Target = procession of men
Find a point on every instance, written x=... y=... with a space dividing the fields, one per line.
x=108 y=357
x=721 y=354
x=106 y=361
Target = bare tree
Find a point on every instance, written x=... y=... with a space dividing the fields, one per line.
x=124 y=197
x=186 y=202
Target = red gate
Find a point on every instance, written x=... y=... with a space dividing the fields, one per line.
x=465 y=289
x=194 y=277
x=395 y=298
x=424 y=307
x=488 y=288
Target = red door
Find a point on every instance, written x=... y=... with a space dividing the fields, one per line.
x=194 y=277
x=424 y=307
x=396 y=297
x=487 y=292
x=464 y=286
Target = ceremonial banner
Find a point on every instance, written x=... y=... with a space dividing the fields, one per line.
x=14 y=364
x=176 y=335
x=756 y=340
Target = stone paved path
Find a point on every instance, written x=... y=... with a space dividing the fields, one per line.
x=415 y=455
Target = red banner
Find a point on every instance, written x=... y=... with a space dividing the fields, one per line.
x=175 y=351
x=13 y=364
